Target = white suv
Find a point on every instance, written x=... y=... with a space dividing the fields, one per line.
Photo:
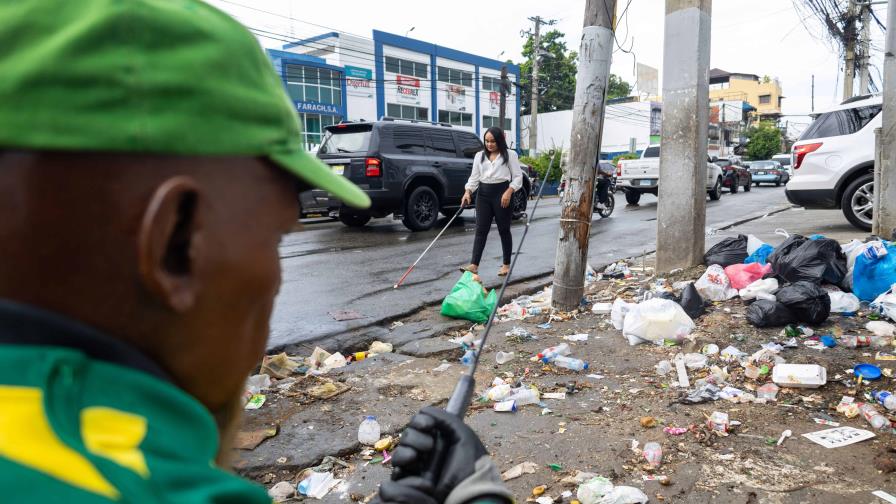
x=833 y=160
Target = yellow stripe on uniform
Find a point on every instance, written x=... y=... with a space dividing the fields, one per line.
x=27 y=438
x=115 y=435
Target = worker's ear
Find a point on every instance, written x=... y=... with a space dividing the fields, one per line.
x=170 y=245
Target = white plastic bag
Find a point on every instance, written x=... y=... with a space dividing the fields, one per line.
x=852 y=250
x=617 y=313
x=756 y=289
x=714 y=284
x=624 y=495
x=657 y=320
x=886 y=303
x=753 y=244
x=842 y=302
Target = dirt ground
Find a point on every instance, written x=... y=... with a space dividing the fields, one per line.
x=594 y=427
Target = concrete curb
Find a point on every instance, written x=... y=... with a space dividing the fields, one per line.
x=363 y=335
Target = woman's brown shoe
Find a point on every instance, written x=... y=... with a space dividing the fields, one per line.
x=472 y=268
x=504 y=270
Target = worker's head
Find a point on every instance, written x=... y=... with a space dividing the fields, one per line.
x=148 y=169
x=494 y=141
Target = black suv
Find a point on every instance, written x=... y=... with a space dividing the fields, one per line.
x=411 y=169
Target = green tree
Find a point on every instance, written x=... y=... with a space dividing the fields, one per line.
x=618 y=88
x=627 y=155
x=764 y=140
x=541 y=163
x=556 y=74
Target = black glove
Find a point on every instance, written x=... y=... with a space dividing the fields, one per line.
x=435 y=436
x=409 y=490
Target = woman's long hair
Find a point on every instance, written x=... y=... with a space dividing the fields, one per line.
x=498 y=135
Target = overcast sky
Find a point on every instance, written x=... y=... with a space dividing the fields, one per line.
x=763 y=37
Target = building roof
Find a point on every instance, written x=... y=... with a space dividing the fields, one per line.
x=717 y=75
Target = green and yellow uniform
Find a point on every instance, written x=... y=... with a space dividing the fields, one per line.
x=86 y=419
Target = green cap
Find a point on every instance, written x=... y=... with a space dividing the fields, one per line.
x=148 y=76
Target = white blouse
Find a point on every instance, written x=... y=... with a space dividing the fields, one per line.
x=497 y=171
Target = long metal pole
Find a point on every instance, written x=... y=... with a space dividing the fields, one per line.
x=408 y=272
x=576 y=206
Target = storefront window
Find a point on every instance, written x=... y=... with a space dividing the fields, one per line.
x=313 y=128
x=489 y=121
x=312 y=84
x=456 y=118
x=407 y=112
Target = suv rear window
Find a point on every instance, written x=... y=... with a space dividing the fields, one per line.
x=346 y=139
x=840 y=122
x=469 y=143
x=407 y=140
x=652 y=152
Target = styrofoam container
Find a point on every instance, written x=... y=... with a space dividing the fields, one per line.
x=800 y=375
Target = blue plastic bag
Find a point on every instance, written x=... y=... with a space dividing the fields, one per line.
x=872 y=276
x=761 y=255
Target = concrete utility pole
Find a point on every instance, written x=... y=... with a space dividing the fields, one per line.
x=592 y=78
x=681 y=209
x=813 y=92
x=502 y=104
x=885 y=193
x=849 y=68
x=533 y=100
x=864 y=77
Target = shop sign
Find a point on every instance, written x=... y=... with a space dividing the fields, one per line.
x=408 y=89
x=317 y=108
x=358 y=81
x=455 y=97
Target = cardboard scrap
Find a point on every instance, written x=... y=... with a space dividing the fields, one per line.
x=249 y=440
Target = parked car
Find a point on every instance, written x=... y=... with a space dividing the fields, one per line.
x=768 y=172
x=638 y=176
x=833 y=160
x=734 y=175
x=784 y=159
x=410 y=169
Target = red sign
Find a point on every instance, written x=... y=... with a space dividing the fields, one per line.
x=407 y=81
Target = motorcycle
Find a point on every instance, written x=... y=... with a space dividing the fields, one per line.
x=607 y=210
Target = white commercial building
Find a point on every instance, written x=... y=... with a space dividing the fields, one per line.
x=336 y=77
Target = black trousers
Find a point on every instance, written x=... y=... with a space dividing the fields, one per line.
x=603 y=189
x=488 y=208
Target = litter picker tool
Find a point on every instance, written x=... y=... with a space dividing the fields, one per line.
x=408 y=272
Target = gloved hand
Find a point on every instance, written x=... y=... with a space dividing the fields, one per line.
x=464 y=471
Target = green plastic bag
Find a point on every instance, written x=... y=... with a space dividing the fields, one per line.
x=467 y=301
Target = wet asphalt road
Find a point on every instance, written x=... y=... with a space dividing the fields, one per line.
x=329 y=267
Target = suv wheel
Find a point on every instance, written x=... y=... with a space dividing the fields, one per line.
x=857 y=201
x=352 y=219
x=716 y=191
x=632 y=197
x=518 y=203
x=421 y=209
x=748 y=186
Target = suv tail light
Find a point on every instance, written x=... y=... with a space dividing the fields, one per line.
x=800 y=151
x=619 y=169
x=372 y=167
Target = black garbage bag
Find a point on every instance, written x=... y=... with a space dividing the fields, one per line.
x=808 y=302
x=692 y=302
x=727 y=252
x=816 y=261
x=765 y=313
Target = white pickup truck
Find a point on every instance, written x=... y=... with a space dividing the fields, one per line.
x=639 y=176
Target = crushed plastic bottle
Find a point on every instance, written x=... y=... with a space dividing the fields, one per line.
x=653 y=454
x=873 y=417
x=570 y=363
x=853 y=341
x=524 y=396
x=498 y=392
x=369 y=431
x=663 y=367
x=467 y=359
x=504 y=357
x=550 y=353
x=887 y=399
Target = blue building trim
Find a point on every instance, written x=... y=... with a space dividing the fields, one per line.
x=519 y=127
x=383 y=38
x=433 y=88
x=302 y=42
x=476 y=98
x=275 y=54
x=380 y=73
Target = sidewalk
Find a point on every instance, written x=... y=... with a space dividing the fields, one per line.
x=598 y=414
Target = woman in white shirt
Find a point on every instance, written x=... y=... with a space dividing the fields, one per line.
x=496 y=175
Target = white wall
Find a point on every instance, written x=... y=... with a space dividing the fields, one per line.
x=360 y=94
x=423 y=96
x=622 y=122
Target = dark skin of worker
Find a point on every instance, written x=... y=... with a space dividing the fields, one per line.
x=176 y=256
